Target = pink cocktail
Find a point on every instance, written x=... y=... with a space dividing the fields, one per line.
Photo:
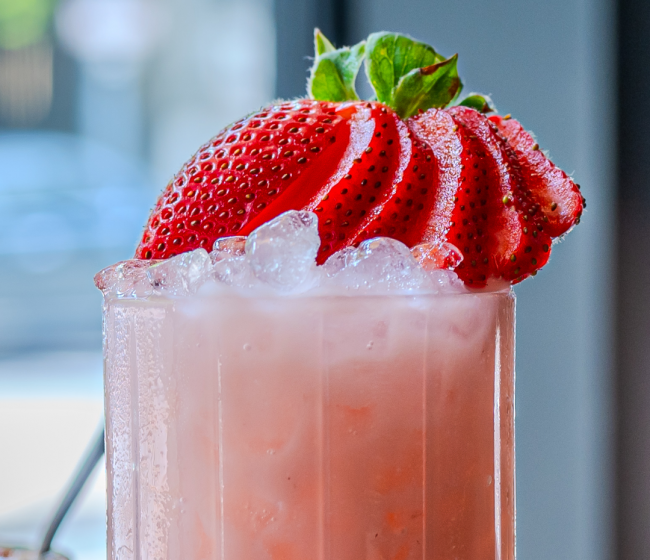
x=335 y=379
x=310 y=426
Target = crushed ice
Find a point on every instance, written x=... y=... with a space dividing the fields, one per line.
x=126 y=279
x=282 y=252
x=227 y=247
x=380 y=264
x=280 y=256
x=181 y=275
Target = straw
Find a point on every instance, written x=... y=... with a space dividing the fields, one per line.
x=93 y=456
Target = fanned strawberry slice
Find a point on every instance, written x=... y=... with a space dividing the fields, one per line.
x=360 y=183
x=246 y=169
x=437 y=130
x=558 y=197
x=363 y=182
x=495 y=223
x=405 y=214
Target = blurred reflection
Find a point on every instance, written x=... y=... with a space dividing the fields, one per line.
x=65 y=214
x=101 y=101
x=25 y=61
x=25 y=84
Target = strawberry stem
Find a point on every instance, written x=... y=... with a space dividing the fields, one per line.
x=407 y=75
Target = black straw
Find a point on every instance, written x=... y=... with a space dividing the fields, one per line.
x=91 y=459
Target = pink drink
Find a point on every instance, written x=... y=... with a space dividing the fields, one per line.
x=366 y=427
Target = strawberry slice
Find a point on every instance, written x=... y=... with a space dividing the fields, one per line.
x=495 y=223
x=364 y=180
x=278 y=152
x=360 y=183
x=437 y=130
x=404 y=215
x=558 y=197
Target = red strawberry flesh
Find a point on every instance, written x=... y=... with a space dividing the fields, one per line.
x=495 y=224
x=558 y=197
x=242 y=171
x=412 y=196
x=437 y=130
x=364 y=180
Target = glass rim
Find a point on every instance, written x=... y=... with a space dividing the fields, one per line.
x=315 y=294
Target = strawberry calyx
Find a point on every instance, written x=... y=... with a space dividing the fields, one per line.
x=406 y=75
x=334 y=71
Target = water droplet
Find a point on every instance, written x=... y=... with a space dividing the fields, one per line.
x=247 y=346
x=370 y=345
x=489 y=481
x=271 y=451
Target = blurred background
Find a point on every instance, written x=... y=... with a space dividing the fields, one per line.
x=101 y=101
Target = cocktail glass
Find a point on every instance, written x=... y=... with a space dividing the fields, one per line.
x=314 y=426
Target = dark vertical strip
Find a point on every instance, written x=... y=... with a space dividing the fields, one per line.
x=340 y=26
x=633 y=295
x=295 y=22
x=65 y=93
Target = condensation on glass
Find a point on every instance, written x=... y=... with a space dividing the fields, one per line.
x=333 y=428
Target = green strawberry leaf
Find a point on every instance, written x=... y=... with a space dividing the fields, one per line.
x=482 y=103
x=423 y=88
x=322 y=44
x=334 y=70
x=390 y=57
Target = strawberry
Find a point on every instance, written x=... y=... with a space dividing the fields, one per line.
x=552 y=189
x=361 y=182
x=473 y=193
x=244 y=172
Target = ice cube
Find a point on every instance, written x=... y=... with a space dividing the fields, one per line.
x=126 y=279
x=235 y=271
x=432 y=256
x=282 y=252
x=447 y=281
x=338 y=261
x=226 y=247
x=181 y=275
x=379 y=265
